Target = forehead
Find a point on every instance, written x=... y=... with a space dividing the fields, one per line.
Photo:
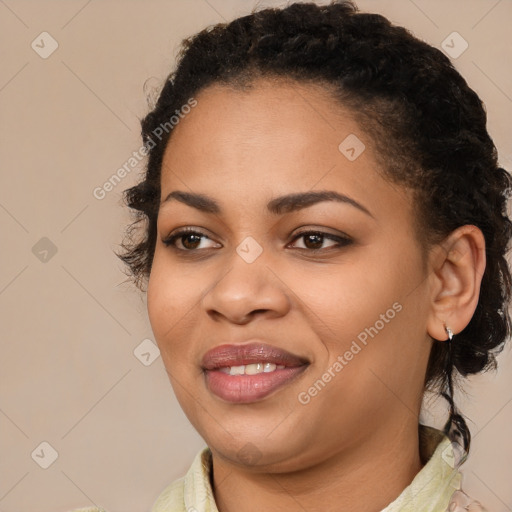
x=290 y=127
x=269 y=139
x=267 y=113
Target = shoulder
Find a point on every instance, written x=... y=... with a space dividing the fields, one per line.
x=192 y=491
x=185 y=493
x=171 y=498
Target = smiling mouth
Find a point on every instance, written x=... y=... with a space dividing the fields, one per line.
x=246 y=388
x=248 y=373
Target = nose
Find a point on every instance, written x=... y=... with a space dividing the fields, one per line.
x=245 y=291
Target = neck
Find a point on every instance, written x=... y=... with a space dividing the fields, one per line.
x=366 y=478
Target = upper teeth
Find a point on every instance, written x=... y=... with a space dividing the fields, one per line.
x=251 y=369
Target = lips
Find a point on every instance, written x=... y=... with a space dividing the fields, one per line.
x=237 y=355
x=242 y=388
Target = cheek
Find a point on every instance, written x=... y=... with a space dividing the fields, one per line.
x=170 y=301
x=347 y=298
x=158 y=303
x=380 y=342
x=366 y=300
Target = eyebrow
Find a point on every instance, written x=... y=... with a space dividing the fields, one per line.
x=278 y=206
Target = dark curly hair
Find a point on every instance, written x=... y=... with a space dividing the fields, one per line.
x=428 y=125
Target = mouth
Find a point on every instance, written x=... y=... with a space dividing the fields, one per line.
x=250 y=372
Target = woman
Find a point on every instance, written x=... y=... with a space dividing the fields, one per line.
x=324 y=240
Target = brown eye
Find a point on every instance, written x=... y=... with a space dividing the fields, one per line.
x=314 y=240
x=189 y=240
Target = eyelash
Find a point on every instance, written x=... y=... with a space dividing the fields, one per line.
x=341 y=240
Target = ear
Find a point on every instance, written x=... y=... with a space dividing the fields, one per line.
x=458 y=265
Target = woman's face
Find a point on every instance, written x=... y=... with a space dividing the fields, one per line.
x=349 y=300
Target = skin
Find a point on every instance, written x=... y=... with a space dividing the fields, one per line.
x=354 y=446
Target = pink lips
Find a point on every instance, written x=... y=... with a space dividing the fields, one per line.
x=249 y=388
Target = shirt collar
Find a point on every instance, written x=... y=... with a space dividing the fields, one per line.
x=434 y=485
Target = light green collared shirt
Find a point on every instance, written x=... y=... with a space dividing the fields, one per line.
x=435 y=488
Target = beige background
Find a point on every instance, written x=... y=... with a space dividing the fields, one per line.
x=69 y=325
